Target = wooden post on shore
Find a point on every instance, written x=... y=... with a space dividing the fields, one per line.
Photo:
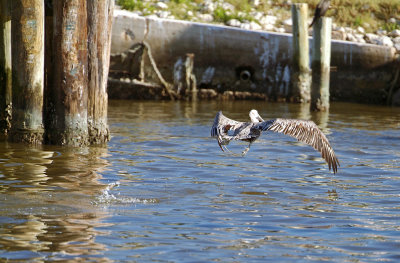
x=100 y=15
x=5 y=67
x=321 y=59
x=28 y=70
x=301 y=74
x=190 y=78
x=69 y=87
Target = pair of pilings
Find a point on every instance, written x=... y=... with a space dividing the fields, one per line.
x=54 y=61
x=311 y=85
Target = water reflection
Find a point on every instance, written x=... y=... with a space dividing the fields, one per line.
x=177 y=197
x=46 y=205
x=23 y=169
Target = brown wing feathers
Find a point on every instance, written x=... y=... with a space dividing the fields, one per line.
x=309 y=133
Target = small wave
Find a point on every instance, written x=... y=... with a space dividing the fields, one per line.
x=106 y=197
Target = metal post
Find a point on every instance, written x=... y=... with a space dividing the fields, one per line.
x=301 y=75
x=28 y=70
x=5 y=67
x=321 y=59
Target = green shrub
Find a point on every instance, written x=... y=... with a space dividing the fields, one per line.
x=131 y=4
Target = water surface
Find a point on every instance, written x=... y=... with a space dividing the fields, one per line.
x=163 y=191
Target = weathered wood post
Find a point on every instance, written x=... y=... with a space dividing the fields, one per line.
x=5 y=67
x=321 y=59
x=68 y=125
x=100 y=15
x=190 y=78
x=28 y=70
x=48 y=97
x=301 y=74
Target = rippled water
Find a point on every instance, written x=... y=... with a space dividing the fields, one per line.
x=163 y=191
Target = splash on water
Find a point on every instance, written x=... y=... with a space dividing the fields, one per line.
x=107 y=197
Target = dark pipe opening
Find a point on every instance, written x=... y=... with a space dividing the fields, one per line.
x=244 y=73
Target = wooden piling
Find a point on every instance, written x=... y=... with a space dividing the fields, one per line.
x=321 y=59
x=28 y=70
x=5 y=67
x=72 y=73
x=301 y=74
x=49 y=91
x=69 y=88
x=100 y=15
x=190 y=78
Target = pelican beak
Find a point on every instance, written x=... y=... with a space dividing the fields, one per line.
x=259 y=118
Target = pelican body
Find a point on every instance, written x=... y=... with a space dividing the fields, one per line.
x=226 y=130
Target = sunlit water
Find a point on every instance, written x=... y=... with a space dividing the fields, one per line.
x=163 y=191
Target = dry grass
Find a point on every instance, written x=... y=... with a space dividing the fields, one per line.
x=371 y=14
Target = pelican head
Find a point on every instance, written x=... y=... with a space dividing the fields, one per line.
x=255 y=117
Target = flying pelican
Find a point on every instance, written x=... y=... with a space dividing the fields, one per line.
x=321 y=9
x=226 y=130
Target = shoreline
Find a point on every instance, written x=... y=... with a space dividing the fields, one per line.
x=360 y=72
x=268 y=21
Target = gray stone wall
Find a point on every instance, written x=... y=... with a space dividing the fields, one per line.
x=233 y=60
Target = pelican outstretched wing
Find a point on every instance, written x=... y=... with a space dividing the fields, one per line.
x=221 y=128
x=304 y=131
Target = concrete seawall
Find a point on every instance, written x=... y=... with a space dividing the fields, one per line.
x=230 y=59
